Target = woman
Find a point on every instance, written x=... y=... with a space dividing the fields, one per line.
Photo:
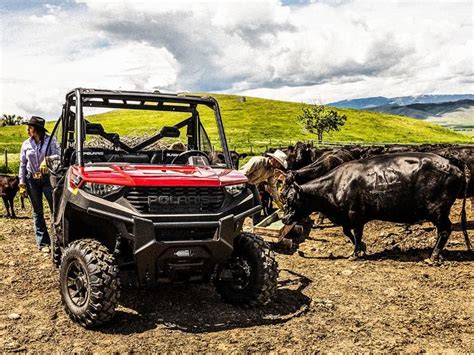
x=34 y=177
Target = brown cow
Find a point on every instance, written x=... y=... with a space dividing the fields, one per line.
x=8 y=189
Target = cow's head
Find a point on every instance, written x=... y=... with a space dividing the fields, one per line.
x=303 y=156
x=294 y=204
x=235 y=157
x=290 y=156
x=356 y=151
x=289 y=180
x=219 y=158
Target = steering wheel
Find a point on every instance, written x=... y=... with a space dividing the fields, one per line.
x=182 y=158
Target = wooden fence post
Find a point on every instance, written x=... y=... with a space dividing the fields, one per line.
x=6 y=159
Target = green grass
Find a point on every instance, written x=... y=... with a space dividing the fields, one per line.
x=259 y=123
x=13 y=163
x=11 y=137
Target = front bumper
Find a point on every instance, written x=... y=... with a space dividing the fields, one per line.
x=159 y=259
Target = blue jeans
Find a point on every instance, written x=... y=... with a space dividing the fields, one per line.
x=36 y=188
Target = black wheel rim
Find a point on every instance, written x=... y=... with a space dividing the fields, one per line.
x=241 y=272
x=77 y=283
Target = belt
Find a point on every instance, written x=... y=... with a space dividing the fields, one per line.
x=35 y=176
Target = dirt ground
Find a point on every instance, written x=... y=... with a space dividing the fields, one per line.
x=390 y=301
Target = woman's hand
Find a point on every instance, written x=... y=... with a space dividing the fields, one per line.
x=23 y=191
x=43 y=167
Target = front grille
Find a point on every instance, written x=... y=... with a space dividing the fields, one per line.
x=176 y=234
x=176 y=200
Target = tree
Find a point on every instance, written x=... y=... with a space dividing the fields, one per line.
x=318 y=119
x=19 y=120
x=11 y=120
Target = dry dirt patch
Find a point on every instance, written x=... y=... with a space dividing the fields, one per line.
x=391 y=301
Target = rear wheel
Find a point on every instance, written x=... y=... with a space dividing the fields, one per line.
x=250 y=276
x=89 y=283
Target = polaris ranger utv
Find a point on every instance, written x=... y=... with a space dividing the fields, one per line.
x=160 y=212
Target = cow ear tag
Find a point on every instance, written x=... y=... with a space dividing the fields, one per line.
x=75 y=191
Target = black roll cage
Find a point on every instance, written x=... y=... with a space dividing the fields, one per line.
x=136 y=100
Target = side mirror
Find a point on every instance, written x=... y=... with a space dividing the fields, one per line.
x=171 y=132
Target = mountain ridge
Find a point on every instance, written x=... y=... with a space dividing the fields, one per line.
x=424 y=110
x=375 y=101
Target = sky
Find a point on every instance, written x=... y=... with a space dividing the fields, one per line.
x=294 y=50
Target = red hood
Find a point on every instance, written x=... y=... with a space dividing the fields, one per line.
x=159 y=175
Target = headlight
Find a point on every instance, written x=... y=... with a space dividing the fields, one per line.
x=235 y=190
x=100 y=189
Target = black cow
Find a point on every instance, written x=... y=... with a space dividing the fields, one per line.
x=400 y=188
x=290 y=155
x=302 y=155
x=8 y=189
x=325 y=163
x=218 y=158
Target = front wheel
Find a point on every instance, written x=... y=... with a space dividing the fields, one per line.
x=250 y=276
x=89 y=283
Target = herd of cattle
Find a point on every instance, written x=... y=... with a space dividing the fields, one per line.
x=353 y=185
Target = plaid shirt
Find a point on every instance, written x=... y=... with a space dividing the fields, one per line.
x=259 y=169
x=33 y=154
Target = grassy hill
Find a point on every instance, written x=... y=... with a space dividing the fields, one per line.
x=258 y=123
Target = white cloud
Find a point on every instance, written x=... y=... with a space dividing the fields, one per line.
x=46 y=56
x=324 y=50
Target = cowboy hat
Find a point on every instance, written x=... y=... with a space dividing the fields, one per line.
x=37 y=122
x=279 y=156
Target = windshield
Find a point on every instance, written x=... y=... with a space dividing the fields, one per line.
x=133 y=131
x=179 y=134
